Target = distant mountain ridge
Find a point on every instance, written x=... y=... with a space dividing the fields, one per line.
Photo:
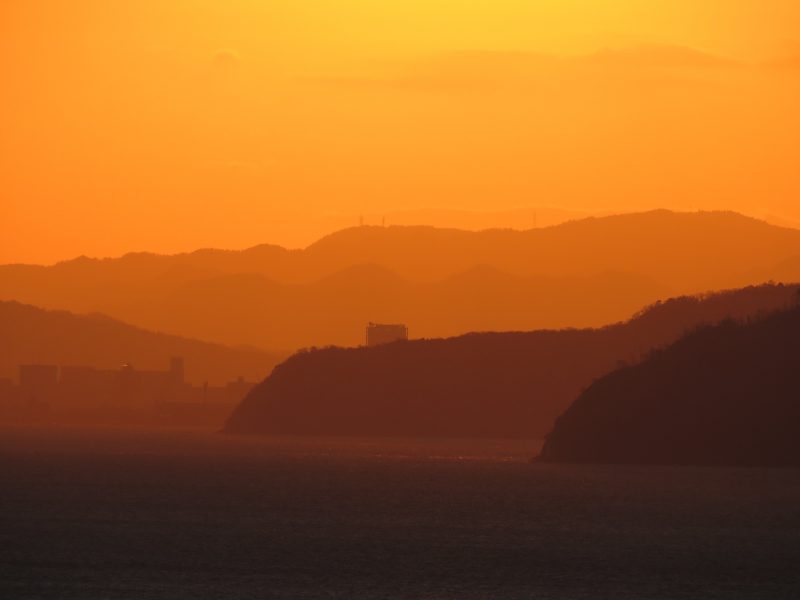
x=457 y=250
x=440 y=282
x=680 y=250
x=476 y=385
x=33 y=335
x=723 y=395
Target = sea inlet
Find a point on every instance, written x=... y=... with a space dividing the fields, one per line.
x=116 y=513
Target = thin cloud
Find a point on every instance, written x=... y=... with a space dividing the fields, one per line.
x=660 y=56
x=226 y=59
x=487 y=70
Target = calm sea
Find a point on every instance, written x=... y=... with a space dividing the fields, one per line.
x=92 y=513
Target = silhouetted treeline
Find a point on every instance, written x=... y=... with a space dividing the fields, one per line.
x=724 y=395
x=33 y=335
x=439 y=282
x=483 y=384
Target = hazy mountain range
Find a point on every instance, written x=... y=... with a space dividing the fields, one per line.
x=440 y=282
x=34 y=335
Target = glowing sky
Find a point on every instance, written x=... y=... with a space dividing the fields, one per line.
x=168 y=125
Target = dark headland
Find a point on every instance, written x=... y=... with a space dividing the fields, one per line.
x=723 y=395
x=477 y=385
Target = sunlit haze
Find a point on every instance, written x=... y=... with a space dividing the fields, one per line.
x=168 y=125
x=454 y=299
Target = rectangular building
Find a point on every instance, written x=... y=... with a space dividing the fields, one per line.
x=379 y=333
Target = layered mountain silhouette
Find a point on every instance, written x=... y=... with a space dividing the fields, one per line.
x=483 y=384
x=34 y=335
x=440 y=282
x=723 y=395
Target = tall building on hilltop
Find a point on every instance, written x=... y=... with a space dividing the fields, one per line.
x=379 y=333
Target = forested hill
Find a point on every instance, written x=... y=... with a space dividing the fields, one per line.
x=483 y=384
x=723 y=395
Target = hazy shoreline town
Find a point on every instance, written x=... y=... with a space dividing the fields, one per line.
x=82 y=393
x=76 y=393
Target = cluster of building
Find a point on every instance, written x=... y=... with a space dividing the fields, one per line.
x=75 y=389
x=83 y=391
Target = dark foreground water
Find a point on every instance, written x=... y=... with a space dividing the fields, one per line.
x=125 y=514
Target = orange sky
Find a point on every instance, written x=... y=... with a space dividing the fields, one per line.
x=169 y=125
